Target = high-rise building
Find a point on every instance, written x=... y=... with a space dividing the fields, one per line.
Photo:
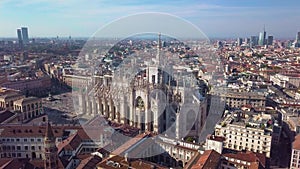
x=253 y=41
x=297 y=41
x=298 y=37
x=25 y=35
x=247 y=40
x=239 y=41
x=270 y=40
x=262 y=38
x=20 y=39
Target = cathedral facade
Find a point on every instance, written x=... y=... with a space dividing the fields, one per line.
x=158 y=97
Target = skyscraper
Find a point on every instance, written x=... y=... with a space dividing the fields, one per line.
x=270 y=40
x=25 y=35
x=253 y=41
x=247 y=40
x=20 y=39
x=262 y=38
x=298 y=37
x=239 y=41
x=297 y=41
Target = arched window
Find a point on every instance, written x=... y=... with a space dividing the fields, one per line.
x=139 y=103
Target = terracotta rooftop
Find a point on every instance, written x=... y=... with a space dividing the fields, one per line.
x=210 y=159
x=69 y=144
x=89 y=163
x=248 y=157
x=24 y=163
x=216 y=138
x=28 y=131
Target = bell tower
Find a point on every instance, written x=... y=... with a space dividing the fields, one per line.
x=51 y=158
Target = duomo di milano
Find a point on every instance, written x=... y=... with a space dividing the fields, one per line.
x=158 y=94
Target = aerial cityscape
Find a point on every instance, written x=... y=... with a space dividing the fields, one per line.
x=137 y=85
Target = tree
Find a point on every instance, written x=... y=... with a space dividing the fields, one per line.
x=189 y=139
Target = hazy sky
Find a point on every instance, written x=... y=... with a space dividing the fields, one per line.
x=216 y=18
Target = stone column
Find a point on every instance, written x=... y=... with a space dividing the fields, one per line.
x=110 y=112
x=105 y=106
x=89 y=105
x=132 y=108
x=97 y=106
x=122 y=110
x=178 y=134
x=155 y=119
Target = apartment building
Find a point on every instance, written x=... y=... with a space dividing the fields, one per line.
x=238 y=99
x=252 y=132
x=26 y=108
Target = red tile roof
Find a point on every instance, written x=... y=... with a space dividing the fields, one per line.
x=248 y=157
x=28 y=131
x=70 y=144
x=208 y=160
x=89 y=163
x=216 y=138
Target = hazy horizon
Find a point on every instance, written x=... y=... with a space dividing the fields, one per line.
x=216 y=18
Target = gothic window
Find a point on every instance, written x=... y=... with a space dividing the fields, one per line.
x=140 y=103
